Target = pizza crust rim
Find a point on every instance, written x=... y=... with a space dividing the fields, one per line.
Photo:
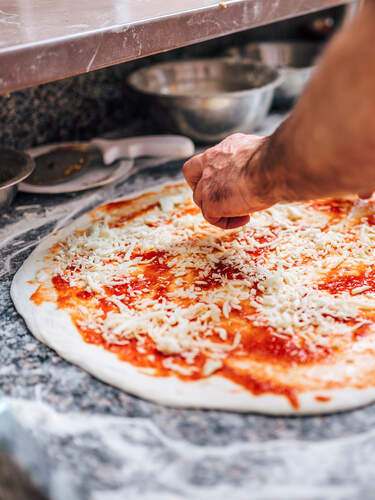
x=55 y=329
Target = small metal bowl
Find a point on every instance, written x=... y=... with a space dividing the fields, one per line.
x=207 y=99
x=14 y=168
x=294 y=60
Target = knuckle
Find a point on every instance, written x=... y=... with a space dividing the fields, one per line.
x=237 y=137
x=206 y=174
x=210 y=155
x=192 y=162
x=186 y=167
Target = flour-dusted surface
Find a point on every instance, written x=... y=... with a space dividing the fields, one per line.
x=102 y=444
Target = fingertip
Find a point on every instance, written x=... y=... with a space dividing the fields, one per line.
x=233 y=222
x=221 y=223
x=228 y=222
x=365 y=196
x=212 y=220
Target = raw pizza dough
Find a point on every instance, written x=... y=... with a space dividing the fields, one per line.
x=293 y=294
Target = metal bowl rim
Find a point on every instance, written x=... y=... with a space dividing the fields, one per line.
x=288 y=70
x=284 y=43
x=278 y=78
x=25 y=170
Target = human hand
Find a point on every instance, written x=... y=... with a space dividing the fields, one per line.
x=225 y=180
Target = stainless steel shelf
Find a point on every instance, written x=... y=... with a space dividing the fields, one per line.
x=46 y=40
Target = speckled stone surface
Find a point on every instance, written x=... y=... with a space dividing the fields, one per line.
x=89 y=441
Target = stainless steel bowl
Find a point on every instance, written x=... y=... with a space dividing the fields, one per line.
x=14 y=168
x=294 y=60
x=207 y=99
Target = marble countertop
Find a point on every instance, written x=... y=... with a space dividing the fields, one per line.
x=81 y=439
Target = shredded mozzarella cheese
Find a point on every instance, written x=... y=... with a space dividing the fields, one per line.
x=294 y=247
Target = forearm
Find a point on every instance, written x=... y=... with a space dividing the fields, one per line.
x=326 y=147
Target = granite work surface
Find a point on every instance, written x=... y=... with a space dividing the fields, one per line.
x=84 y=440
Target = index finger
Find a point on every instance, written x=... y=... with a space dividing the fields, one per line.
x=192 y=170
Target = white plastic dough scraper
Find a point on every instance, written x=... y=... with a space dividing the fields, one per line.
x=76 y=166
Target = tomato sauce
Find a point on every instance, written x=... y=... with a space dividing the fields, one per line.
x=338 y=284
x=218 y=271
x=42 y=294
x=336 y=206
x=371 y=220
x=264 y=345
x=127 y=218
x=189 y=211
x=258 y=386
x=323 y=399
x=120 y=205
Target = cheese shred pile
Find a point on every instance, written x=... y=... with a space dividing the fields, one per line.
x=270 y=271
